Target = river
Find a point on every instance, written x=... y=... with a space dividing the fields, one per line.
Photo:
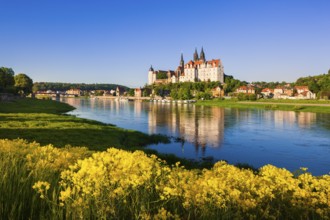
x=258 y=137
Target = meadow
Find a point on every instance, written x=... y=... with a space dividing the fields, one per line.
x=316 y=106
x=61 y=171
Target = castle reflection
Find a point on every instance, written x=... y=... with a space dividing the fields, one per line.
x=202 y=126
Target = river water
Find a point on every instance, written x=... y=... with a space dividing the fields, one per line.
x=257 y=137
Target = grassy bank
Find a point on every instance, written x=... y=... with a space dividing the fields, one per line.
x=26 y=105
x=40 y=121
x=285 y=105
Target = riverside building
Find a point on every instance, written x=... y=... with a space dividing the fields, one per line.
x=196 y=70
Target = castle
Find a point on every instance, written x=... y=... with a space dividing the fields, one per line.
x=197 y=70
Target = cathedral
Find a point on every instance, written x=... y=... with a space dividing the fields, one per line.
x=196 y=70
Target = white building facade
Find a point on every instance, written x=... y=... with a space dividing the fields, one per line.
x=197 y=70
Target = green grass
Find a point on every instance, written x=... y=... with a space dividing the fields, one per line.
x=27 y=105
x=37 y=120
x=285 y=105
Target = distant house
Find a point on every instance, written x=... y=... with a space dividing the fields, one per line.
x=267 y=92
x=138 y=92
x=246 y=90
x=73 y=92
x=108 y=92
x=303 y=92
x=282 y=92
x=279 y=90
x=120 y=91
x=301 y=89
x=288 y=91
x=217 y=92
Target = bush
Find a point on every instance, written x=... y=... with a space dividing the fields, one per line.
x=252 y=97
x=242 y=97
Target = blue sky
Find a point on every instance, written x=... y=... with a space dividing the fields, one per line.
x=116 y=41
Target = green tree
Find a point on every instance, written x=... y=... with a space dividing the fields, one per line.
x=252 y=97
x=312 y=85
x=146 y=93
x=184 y=94
x=6 y=79
x=174 y=94
x=161 y=75
x=242 y=96
x=131 y=92
x=23 y=83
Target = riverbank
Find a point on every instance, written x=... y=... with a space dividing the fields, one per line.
x=285 y=105
x=43 y=121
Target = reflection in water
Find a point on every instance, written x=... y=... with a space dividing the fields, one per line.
x=195 y=124
x=303 y=119
x=258 y=137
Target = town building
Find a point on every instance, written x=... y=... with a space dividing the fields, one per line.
x=120 y=91
x=267 y=92
x=73 y=92
x=303 y=92
x=246 y=89
x=196 y=70
x=283 y=92
x=138 y=92
x=217 y=92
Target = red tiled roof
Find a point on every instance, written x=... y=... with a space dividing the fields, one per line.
x=242 y=87
x=267 y=90
x=198 y=62
x=302 y=87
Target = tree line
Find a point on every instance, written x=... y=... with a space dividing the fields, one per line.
x=58 y=86
x=11 y=83
x=319 y=84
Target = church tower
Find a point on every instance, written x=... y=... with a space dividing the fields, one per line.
x=196 y=55
x=202 y=56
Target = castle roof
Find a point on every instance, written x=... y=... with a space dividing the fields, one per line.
x=198 y=62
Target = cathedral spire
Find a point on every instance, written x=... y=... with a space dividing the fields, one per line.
x=196 y=55
x=202 y=56
x=181 y=61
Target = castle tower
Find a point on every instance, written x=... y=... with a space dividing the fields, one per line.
x=196 y=55
x=202 y=56
x=151 y=79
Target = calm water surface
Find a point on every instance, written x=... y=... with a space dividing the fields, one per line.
x=257 y=137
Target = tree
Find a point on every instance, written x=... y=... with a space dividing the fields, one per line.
x=252 y=97
x=131 y=92
x=6 y=79
x=23 y=83
x=161 y=75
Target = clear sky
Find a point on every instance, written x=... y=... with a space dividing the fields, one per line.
x=116 y=41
